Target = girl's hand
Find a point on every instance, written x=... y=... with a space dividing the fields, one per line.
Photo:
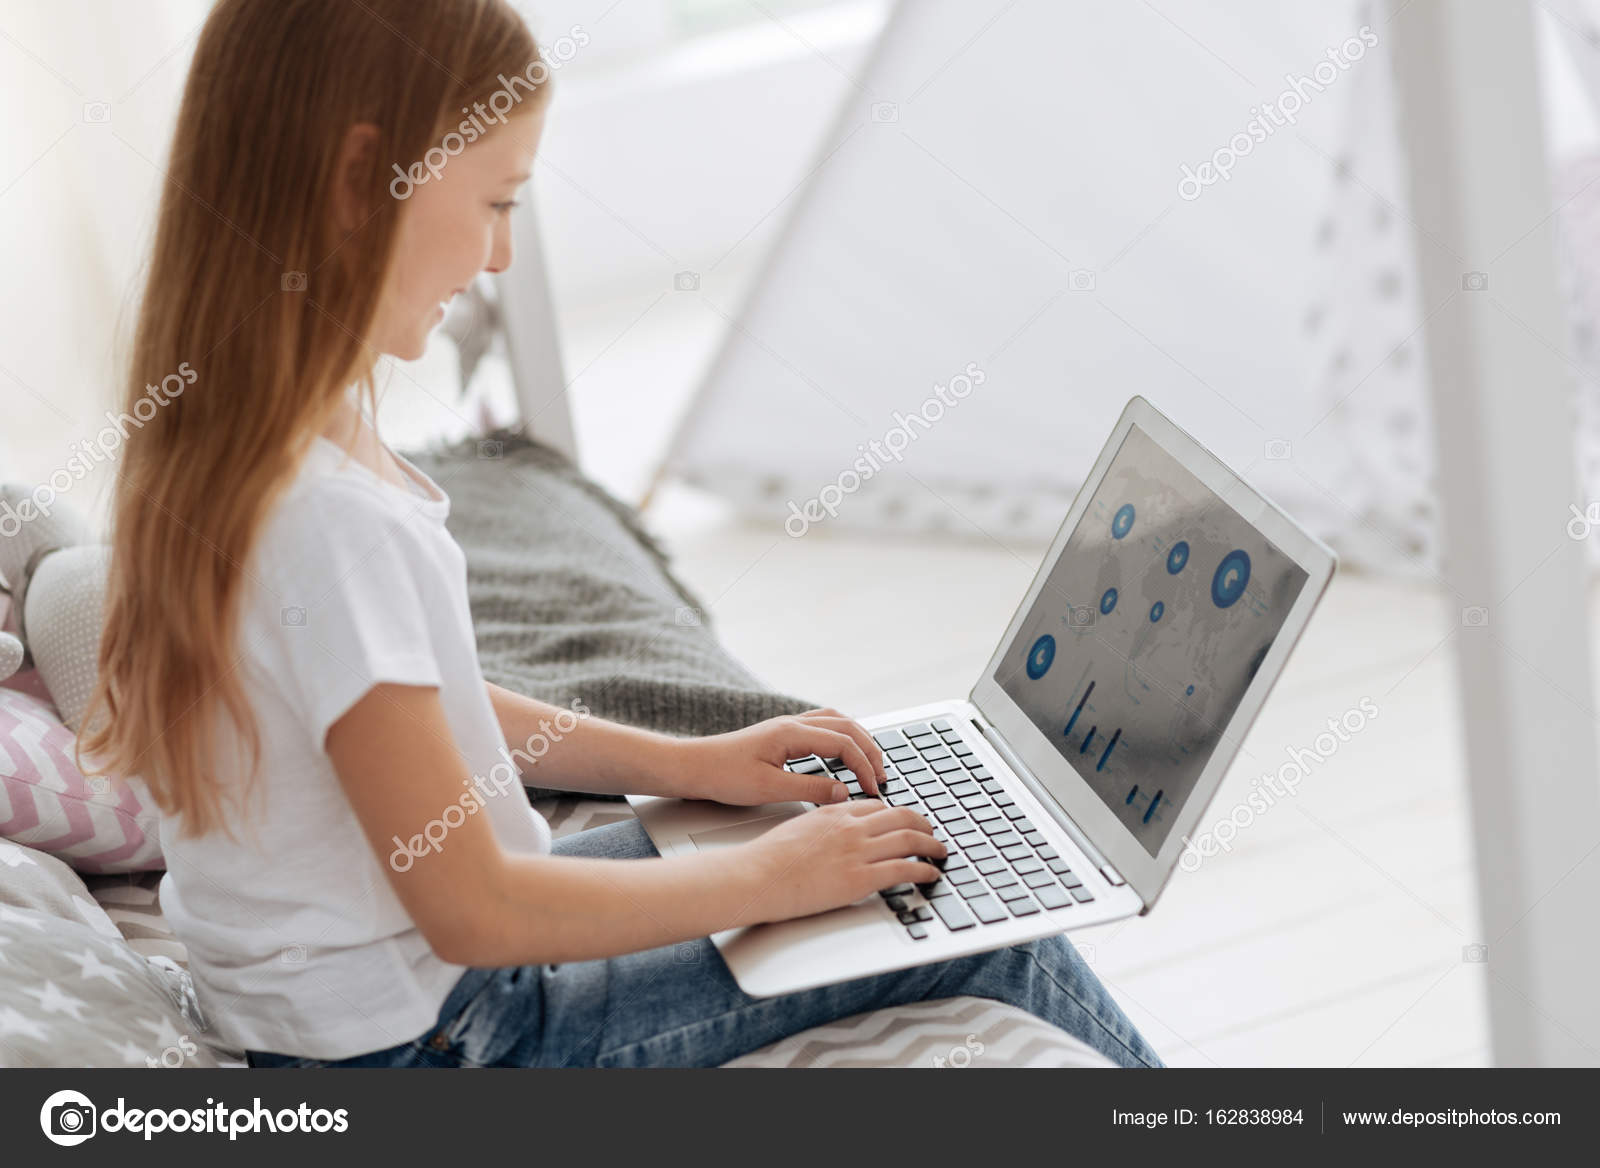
x=745 y=767
x=834 y=856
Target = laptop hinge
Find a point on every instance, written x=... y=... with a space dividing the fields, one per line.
x=1060 y=816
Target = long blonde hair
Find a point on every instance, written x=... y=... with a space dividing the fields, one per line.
x=267 y=304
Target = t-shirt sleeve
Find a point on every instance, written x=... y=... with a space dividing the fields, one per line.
x=339 y=605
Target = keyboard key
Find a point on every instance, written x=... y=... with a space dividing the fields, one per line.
x=976 y=888
x=1035 y=837
x=918 y=932
x=1048 y=853
x=904 y=799
x=932 y=892
x=998 y=789
x=834 y=764
x=807 y=766
x=897 y=890
x=985 y=814
x=893 y=785
x=1014 y=812
x=953 y=912
x=1026 y=864
x=915 y=729
x=961 y=750
x=1017 y=852
x=978 y=772
x=926 y=782
x=941 y=725
x=1056 y=863
x=1052 y=897
x=1081 y=894
x=948 y=815
x=961 y=876
x=1022 y=907
x=1035 y=879
x=953 y=737
x=1025 y=826
x=988 y=866
x=911 y=766
x=964 y=788
x=907 y=917
x=903 y=753
x=940 y=799
x=923 y=913
x=966 y=839
x=1069 y=879
x=1002 y=878
x=944 y=766
x=936 y=752
x=1005 y=839
x=980 y=852
x=890 y=740
x=973 y=802
x=988 y=909
x=1013 y=891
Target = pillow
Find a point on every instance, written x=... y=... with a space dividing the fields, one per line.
x=72 y=994
x=96 y=825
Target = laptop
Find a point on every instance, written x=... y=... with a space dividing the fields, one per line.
x=1066 y=783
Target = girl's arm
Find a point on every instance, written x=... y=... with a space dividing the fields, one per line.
x=571 y=750
x=479 y=905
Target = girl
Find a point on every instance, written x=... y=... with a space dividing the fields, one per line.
x=286 y=654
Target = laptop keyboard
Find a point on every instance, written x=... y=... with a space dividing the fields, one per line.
x=1000 y=865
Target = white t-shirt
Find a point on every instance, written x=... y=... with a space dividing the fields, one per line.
x=296 y=941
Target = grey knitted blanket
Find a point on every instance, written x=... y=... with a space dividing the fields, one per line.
x=573 y=598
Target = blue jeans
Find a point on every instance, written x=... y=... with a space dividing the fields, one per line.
x=678 y=1006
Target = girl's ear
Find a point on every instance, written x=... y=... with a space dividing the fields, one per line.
x=353 y=176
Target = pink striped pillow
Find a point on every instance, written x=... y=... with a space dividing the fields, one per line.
x=46 y=803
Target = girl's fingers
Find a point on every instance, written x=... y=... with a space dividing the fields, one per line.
x=813 y=738
x=859 y=735
x=904 y=843
x=888 y=873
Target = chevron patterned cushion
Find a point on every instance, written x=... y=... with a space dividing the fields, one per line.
x=46 y=803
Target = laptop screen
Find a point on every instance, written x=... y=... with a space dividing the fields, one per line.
x=1146 y=635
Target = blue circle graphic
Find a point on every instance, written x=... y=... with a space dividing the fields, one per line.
x=1108 y=602
x=1190 y=690
x=1040 y=656
x=1123 y=521
x=1232 y=575
x=1177 y=557
x=1156 y=610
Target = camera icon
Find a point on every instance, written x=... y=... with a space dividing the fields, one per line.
x=1476 y=954
x=1475 y=616
x=686 y=282
x=1082 y=280
x=293 y=954
x=68 y=1118
x=885 y=111
x=1277 y=448
x=687 y=617
x=1081 y=616
x=491 y=448
x=96 y=113
x=1474 y=281
x=687 y=952
x=293 y=617
x=294 y=282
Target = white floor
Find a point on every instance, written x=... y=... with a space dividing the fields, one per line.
x=1332 y=934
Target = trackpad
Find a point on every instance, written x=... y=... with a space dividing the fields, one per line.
x=742 y=833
